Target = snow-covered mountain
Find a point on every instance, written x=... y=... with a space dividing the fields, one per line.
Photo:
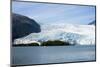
x=73 y=33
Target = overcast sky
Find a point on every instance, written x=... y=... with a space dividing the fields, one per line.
x=55 y=13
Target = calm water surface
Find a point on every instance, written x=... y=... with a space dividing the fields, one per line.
x=52 y=54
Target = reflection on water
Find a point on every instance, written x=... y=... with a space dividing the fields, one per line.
x=52 y=54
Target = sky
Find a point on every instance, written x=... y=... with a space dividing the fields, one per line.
x=55 y=13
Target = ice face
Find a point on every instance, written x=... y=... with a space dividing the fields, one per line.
x=75 y=34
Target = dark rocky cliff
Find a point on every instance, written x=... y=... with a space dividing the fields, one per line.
x=22 y=26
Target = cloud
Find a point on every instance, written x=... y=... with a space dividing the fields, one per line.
x=47 y=13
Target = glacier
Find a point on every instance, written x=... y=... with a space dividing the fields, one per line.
x=72 y=33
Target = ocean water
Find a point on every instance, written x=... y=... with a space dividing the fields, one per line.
x=52 y=54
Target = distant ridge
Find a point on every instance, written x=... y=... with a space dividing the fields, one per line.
x=92 y=23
